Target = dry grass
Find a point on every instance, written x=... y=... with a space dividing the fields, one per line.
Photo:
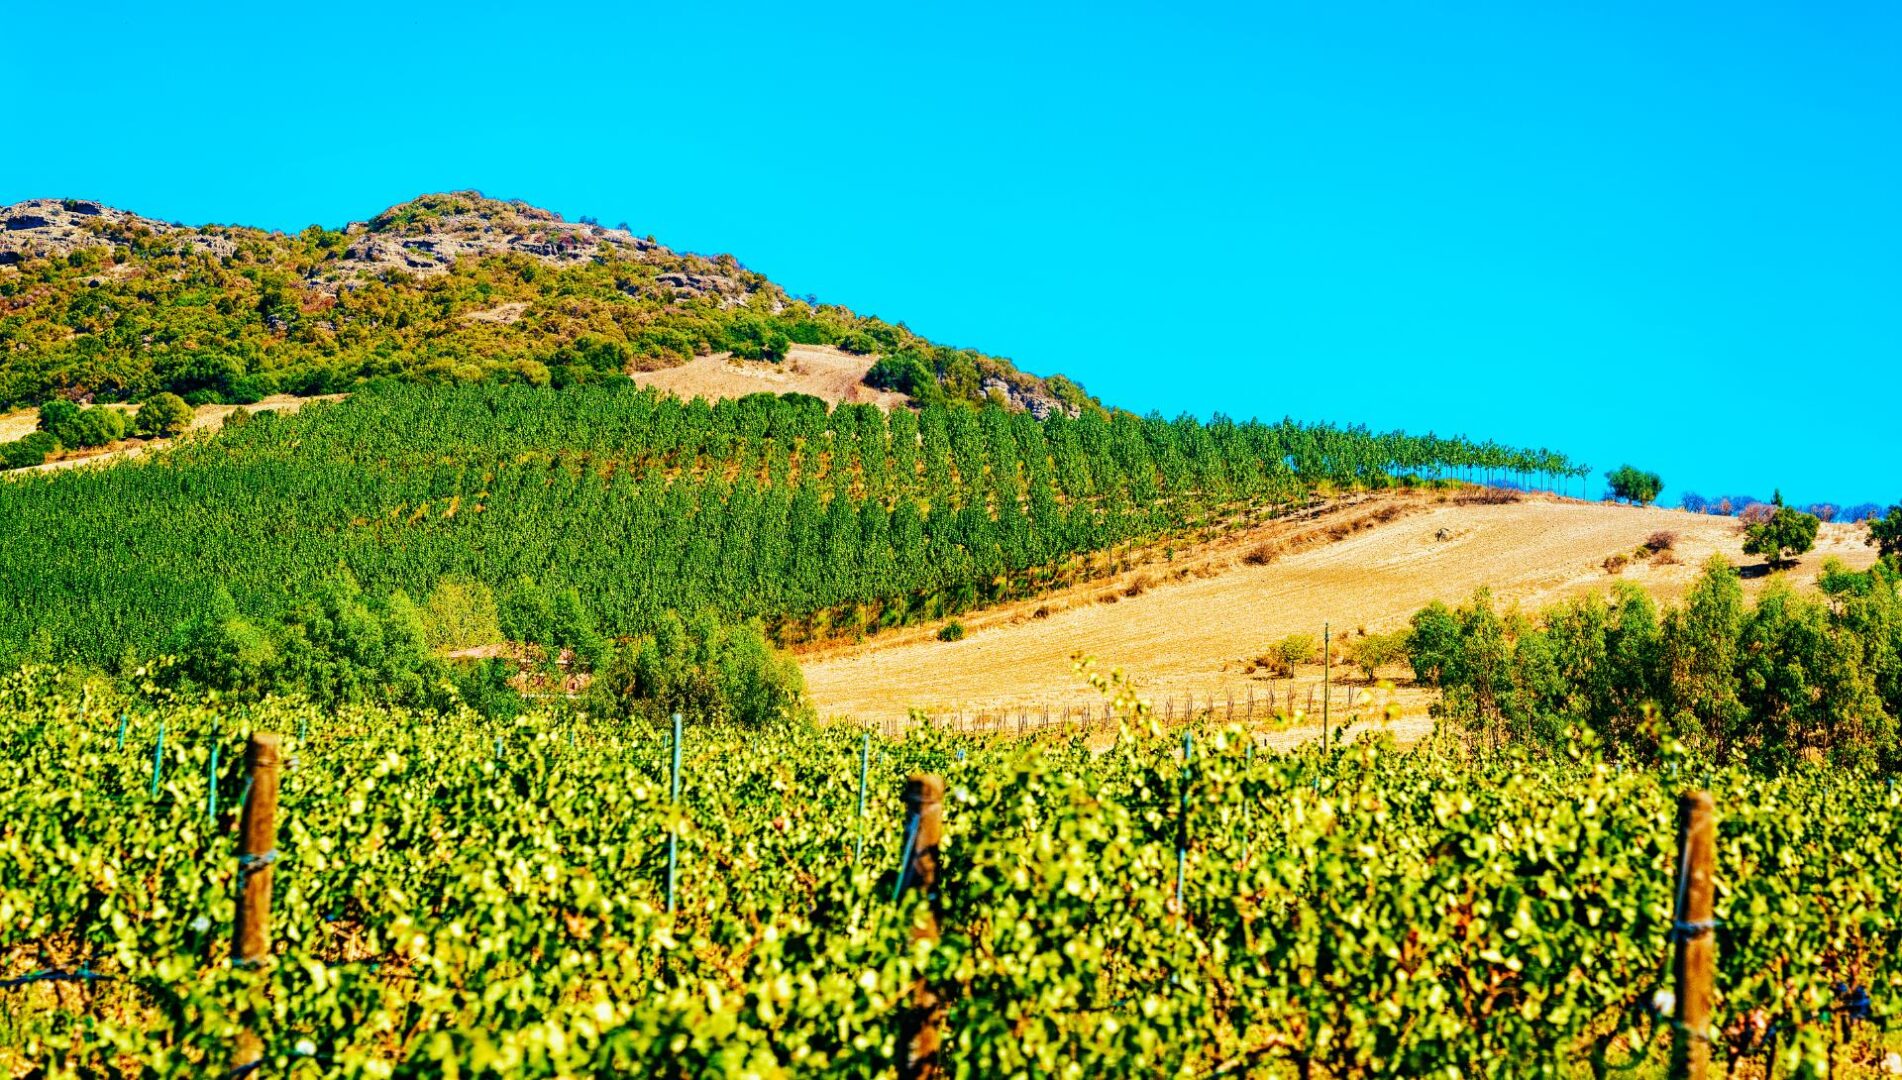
x=1196 y=630
x=826 y=373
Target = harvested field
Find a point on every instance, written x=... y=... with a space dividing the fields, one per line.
x=1197 y=622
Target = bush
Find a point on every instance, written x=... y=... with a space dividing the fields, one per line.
x=77 y=427
x=951 y=631
x=25 y=453
x=1662 y=540
x=1284 y=656
x=1615 y=564
x=1260 y=555
x=163 y=416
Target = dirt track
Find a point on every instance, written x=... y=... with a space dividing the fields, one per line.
x=1193 y=635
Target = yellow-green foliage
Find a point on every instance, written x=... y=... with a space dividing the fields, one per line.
x=454 y=896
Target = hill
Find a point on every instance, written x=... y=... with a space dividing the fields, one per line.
x=1190 y=630
x=100 y=304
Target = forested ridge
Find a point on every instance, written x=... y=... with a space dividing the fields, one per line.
x=768 y=508
x=100 y=305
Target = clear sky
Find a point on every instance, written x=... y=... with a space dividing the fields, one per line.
x=1663 y=233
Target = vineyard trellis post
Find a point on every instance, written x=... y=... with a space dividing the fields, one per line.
x=919 y=1036
x=1327 y=660
x=1693 y=934
x=673 y=826
x=211 y=784
x=158 y=758
x=865 y=768
x=257 y=852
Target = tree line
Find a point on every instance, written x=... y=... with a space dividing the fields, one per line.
x=1790 y=678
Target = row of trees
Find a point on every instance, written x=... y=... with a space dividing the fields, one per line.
x=1790 y=678
x=816 y=523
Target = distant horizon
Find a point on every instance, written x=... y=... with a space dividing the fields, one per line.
x=1662 y=238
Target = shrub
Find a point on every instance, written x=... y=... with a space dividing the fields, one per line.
x=951 y=631
x=1138 y=586
x=1615 y=564
x=25 y=453
x=1290 y=652
x=163 y=416
x=1662 y=540
x=1260 y=555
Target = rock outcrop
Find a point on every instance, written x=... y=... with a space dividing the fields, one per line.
x=422 y=237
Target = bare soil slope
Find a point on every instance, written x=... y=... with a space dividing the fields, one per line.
x=826 y=373
x=1193 y=634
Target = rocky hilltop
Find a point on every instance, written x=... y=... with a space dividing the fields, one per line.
x=98 y=303
x=423 y=237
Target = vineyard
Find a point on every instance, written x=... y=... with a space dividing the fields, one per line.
x=818 y=523
x=458 y=896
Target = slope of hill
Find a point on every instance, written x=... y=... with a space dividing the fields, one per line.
x=1200 y=617
x=98 y=303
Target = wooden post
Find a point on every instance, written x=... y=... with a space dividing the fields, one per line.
x=257 y=851
x=1327 y=667
x=1695 y=962
x=865 y=769
x=918 y=1026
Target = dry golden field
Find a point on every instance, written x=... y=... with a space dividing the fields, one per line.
x=1196 y=620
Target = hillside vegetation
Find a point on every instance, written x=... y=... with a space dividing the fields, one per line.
x=603 y=512
x=98 y=304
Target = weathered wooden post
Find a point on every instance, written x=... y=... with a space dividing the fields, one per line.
x=257 y=852
x=919 y=1036
x=1693 y=932
x=1327 y=668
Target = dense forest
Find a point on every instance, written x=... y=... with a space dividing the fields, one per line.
x=598 y=513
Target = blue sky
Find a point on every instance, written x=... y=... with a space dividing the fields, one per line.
x=1668 y=234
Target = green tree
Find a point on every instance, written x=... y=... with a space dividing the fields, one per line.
x=1371 y=652
x=1782 y=536
x=460 y=613
x=1885 y=532
x=1634 y=485
x=163 y=416
x=1433 y=644
x=1700 y=648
